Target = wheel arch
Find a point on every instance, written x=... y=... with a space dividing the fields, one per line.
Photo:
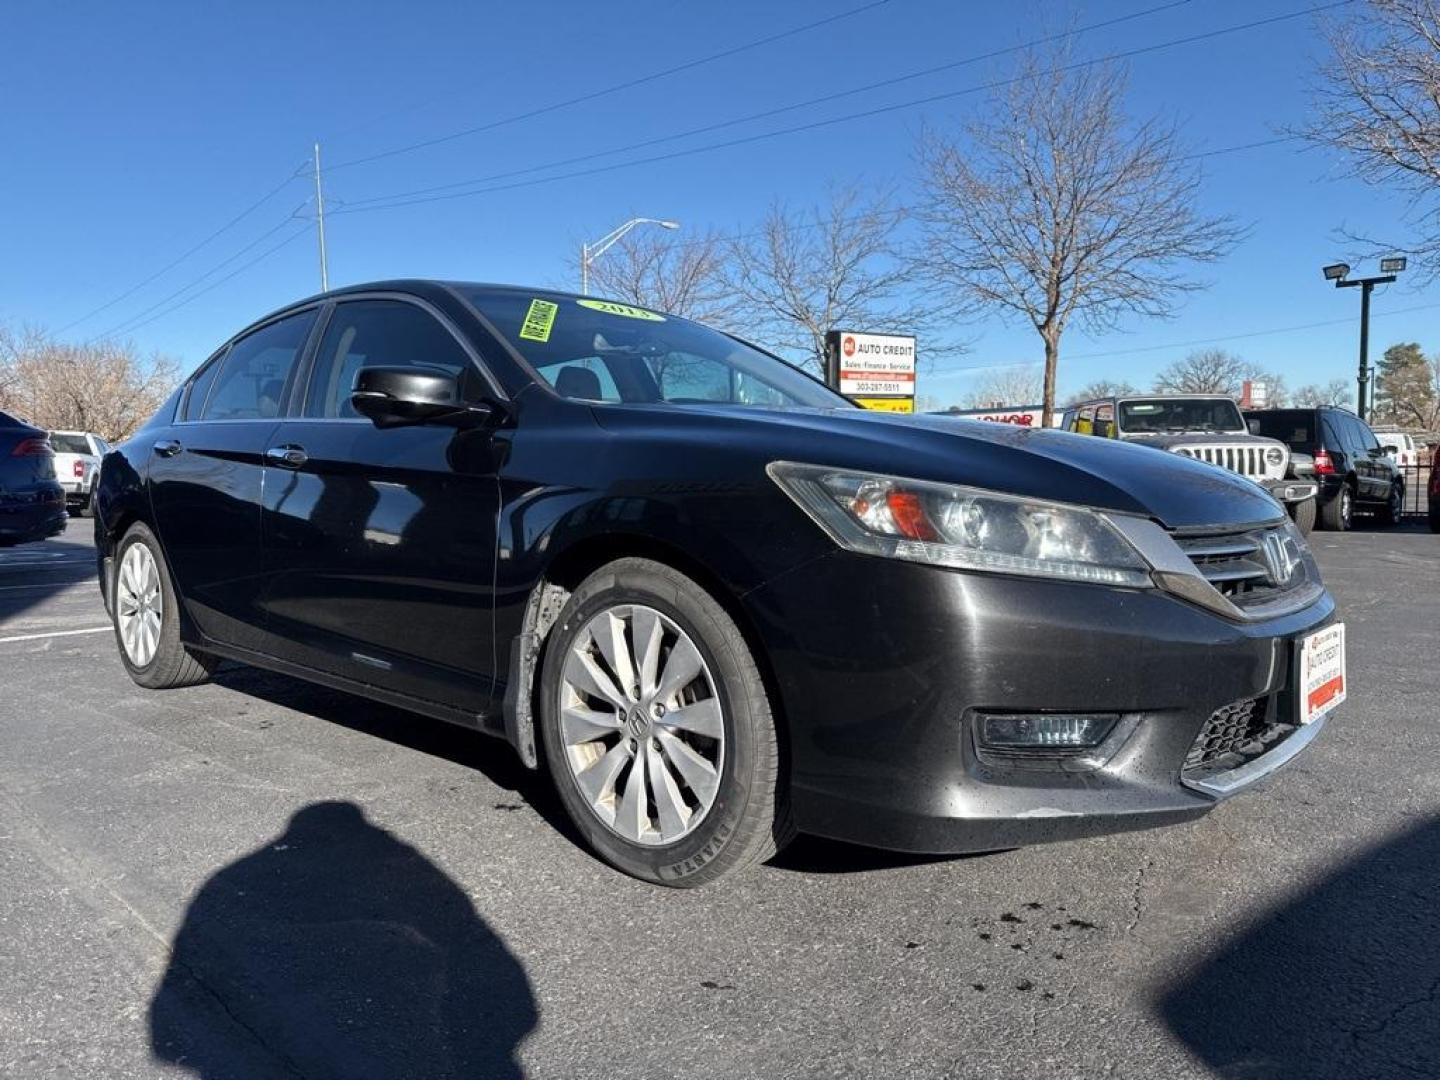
x=565 y=571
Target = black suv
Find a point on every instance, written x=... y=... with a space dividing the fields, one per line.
x=1353 y=471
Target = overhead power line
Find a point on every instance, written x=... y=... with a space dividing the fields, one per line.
x=139 y=319
x=132 y=290
x=780 y=110
x=412 y=198
x=616 y=88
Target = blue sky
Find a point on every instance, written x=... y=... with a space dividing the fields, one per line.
x=134 y=131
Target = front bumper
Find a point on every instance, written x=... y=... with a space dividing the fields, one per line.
x=879 y=680
x=1290 y=491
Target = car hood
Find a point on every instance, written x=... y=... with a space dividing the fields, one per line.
x=1036 y=463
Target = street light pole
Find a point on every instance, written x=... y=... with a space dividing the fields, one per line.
x=1339 y=273
x=590 y=252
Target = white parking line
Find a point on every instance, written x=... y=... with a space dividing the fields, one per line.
x=53 y=633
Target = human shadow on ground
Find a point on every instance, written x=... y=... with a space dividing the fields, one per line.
x=1343 y=981
x=337 y=950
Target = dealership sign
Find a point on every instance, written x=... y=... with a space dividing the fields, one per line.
x=872 y=368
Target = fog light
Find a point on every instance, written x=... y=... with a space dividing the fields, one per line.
x=1045 y=731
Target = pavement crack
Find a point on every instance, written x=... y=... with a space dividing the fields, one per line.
x=219 y=999
x=1137 y=895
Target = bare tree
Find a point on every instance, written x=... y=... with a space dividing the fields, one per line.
x=1378 y=103
x=831 y=267
x=106 y=388
x=1008 y=386
x=1335 y=392
x=1209 y=371
x=1059 y=207
x=659 y=270
x=1100 y=388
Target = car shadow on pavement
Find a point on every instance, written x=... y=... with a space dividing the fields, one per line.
x=338 y=950
x=485 y=754
x=1343 y=981
x=818 y=855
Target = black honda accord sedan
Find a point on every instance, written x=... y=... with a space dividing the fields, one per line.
x=718 y=602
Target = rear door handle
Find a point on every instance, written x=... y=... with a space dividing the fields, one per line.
x=167 y=447
x=289 y=456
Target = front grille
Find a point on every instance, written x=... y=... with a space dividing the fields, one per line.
x=1245 y=460
x=1233 y=735
x=1235 y=563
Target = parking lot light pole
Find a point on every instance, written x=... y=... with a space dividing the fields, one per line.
x=1338 y=273
x=590 y=252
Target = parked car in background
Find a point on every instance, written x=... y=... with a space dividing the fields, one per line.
x=77 y=466
x=715 y=599
x=1400 y=445
x=1206 y=427
x=1352 y=468
x=1434 y=494
x=32 y=503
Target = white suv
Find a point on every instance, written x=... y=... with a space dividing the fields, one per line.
x=77 y=465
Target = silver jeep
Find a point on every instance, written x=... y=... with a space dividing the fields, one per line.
x=1207 y=427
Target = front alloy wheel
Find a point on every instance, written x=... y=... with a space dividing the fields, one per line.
x=643 y=727
x=657 y=728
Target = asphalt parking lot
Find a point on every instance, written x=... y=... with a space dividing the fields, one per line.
x=260 y=878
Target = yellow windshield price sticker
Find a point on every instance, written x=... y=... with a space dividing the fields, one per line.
x=539 y=320
x=609 y=307
x=904 y=404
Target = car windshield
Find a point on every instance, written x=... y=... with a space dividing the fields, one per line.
x=1294 y=427
x=69 y=444
x=598 y=350
x=1168 y=415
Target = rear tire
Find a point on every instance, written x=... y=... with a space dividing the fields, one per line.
x=1304 y=515
x=146 y=615
x=707 y=805
x=1339 y=512
x=1394 y=507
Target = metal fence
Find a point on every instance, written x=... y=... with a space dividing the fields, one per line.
x=1417 y=484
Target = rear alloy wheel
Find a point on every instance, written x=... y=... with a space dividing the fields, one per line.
x=1338 y=513
x=657 y=728
x=146 y=616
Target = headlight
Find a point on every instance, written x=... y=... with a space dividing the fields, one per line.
x=1275 y=456
x=967 y=528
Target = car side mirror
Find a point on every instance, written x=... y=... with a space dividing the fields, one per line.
x=396 y=396
x=1253 y=426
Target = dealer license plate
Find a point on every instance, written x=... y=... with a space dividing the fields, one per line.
x=1322 y=672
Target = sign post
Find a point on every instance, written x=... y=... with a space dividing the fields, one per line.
x=876 y=371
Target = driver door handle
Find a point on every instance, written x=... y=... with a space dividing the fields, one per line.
x=288 y=456
x=167 y=447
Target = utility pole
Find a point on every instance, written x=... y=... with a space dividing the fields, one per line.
x=320 y=223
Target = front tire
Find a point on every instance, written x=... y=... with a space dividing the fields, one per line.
x=146 y=616
x=1339 y=512
x=1304 y=515
x=658 y=731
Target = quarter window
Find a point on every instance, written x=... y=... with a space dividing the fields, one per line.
x=251 y=383
x=381 y=333
x=200 y=389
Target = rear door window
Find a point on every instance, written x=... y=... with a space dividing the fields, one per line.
x=252 y=379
